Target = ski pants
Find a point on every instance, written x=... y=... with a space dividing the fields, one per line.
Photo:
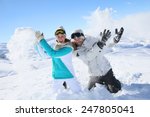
x=112 y=84
x=72 y=84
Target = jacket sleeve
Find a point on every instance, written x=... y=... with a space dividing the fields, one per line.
x=54 y=53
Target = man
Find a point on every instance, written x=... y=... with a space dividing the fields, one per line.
x=92 y=53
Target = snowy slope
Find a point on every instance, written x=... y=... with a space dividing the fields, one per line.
x=5 y=69
x=25 y=75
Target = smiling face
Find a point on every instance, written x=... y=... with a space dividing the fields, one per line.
x=61 y=38
x=78 y=40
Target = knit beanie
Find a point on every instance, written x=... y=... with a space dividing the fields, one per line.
x=60 y=30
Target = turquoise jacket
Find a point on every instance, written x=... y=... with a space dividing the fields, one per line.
x=62 y=67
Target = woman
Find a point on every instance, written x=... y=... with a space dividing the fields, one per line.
x=62 y=68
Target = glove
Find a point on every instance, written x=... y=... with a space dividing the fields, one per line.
x=39 y=35
x=118 y=35
x=105 y=36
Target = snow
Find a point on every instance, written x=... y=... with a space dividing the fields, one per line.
x=137 y=26
x=24 y=75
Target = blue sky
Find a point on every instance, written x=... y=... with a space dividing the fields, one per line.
x=47 y=15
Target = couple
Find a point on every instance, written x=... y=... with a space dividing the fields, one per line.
x=90 y=51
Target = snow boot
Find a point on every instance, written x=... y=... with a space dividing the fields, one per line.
x=65 y=85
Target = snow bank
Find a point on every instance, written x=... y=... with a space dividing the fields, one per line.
x=3 y=51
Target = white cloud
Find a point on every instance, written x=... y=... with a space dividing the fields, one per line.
x=137 y=26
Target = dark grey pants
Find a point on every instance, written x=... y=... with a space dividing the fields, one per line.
x=112 y=84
